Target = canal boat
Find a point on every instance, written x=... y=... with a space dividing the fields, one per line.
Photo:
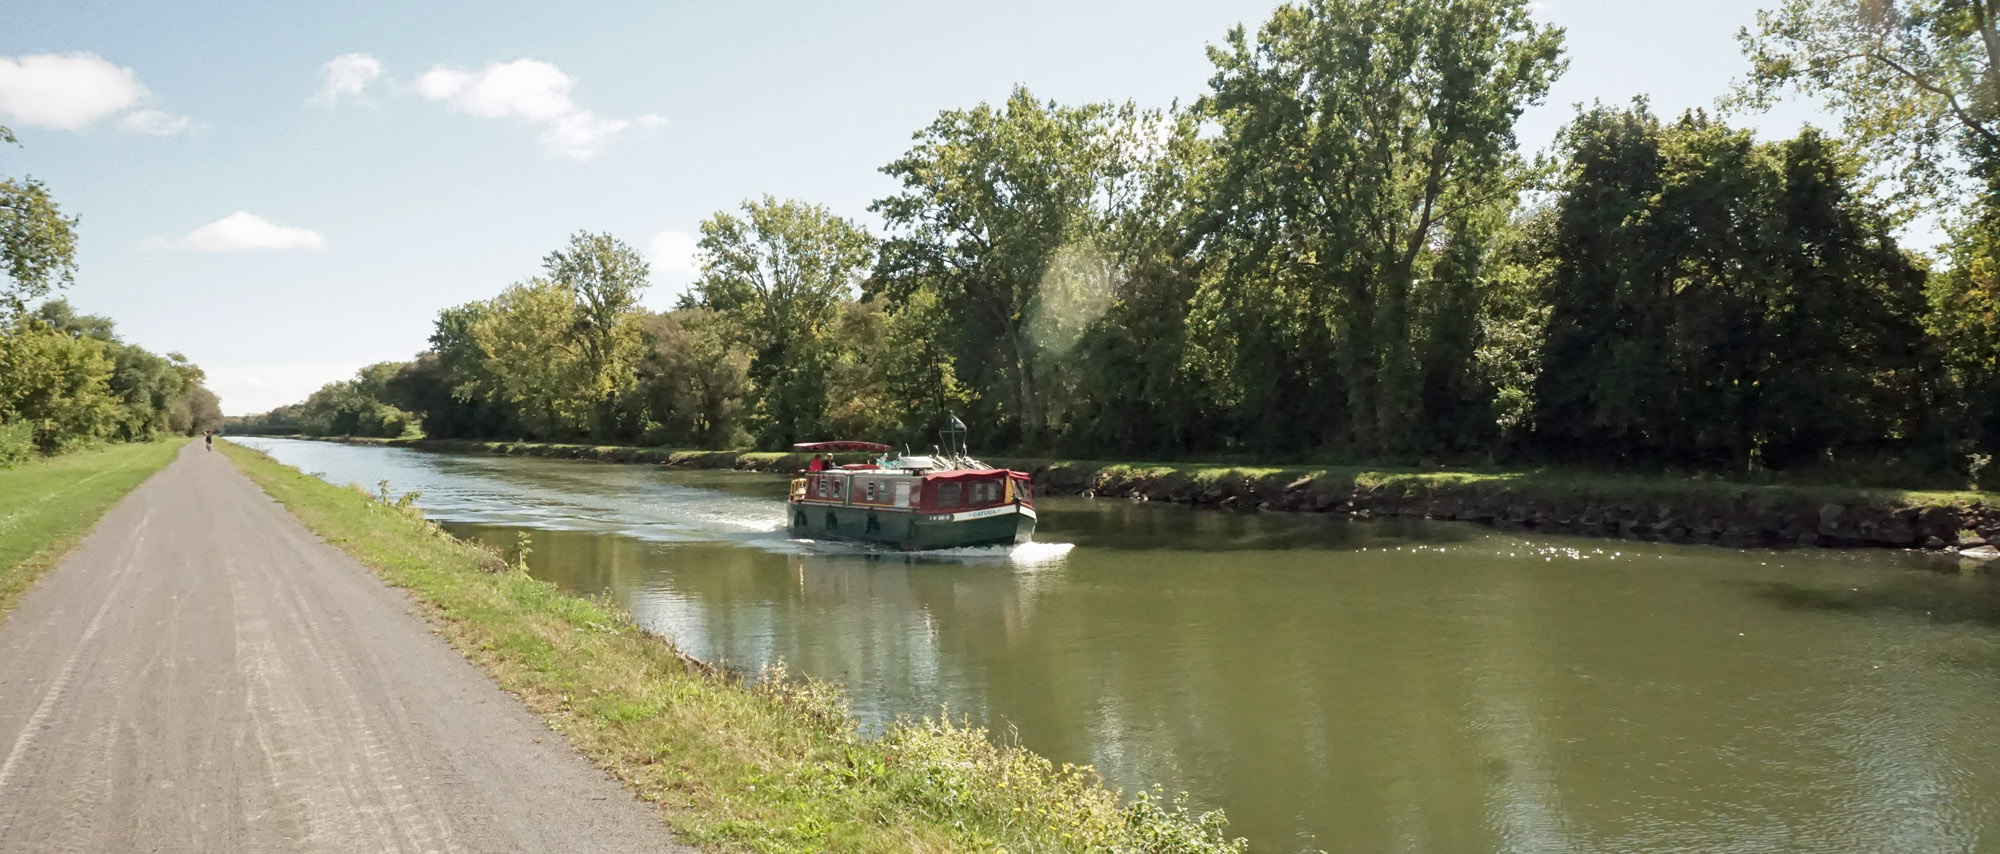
x=941 y=501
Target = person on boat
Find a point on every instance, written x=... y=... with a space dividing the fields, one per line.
x=818 y=463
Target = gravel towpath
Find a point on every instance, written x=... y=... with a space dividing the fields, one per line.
x=203 y=674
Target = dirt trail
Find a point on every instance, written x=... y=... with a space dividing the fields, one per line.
x=203 y=674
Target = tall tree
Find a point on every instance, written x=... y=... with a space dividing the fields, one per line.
x=1718 y=302
x=991 y=200
x=605 y=278
x=37 y=243
x=781 y=272
x=1355 y=135
x=529 y=359
x=1913 y=80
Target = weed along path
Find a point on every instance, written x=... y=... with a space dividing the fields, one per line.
x=203 y=674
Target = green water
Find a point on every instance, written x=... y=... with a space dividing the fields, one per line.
x=1333 y=685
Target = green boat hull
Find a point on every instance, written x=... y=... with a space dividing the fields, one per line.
x=910 y=531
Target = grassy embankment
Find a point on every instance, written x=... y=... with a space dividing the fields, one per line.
x=47 y=505
x=1553 y=485
x=773 y=766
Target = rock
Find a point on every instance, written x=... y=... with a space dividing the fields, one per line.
x=1933 y=543
x=1981 y=553
x=1939 y=522
x=1829 y=518
x=1966 y=541
x=1299 y=484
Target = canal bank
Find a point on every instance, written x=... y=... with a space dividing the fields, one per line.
x=767 y=764
x=1344 y=686
x=1628 y=506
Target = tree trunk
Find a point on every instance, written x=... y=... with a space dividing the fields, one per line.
x=1357 y=361
x=1027 y=402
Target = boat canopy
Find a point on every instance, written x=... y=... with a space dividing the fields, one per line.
x=974 y=474
x=817 y=447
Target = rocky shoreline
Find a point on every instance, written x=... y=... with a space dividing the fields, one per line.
x=1685 y=511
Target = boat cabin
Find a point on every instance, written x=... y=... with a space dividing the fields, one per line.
x=938 y=492
x=910 y=502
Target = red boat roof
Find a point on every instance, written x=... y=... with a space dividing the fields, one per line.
x=973 y=474
x=841 y=446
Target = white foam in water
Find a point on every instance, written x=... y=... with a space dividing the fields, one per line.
x=1025 y=554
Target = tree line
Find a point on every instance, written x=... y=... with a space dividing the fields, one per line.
x=1337 y=251
x=67 y=380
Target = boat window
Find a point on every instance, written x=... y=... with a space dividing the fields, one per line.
x=836 y=488
x=871 y=490
x=903 y=494
x=822 y=486
x=986 y=492
x=949 y=494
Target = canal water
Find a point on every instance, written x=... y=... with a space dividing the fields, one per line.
x=1335 y=685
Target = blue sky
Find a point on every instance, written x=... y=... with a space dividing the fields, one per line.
x=282 y=233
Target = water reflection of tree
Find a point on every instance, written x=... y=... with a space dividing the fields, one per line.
x=1937 y=597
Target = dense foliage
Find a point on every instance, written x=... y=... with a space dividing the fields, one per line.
x=66 y=379
x=1337 y=252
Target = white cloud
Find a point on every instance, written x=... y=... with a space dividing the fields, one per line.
x=241 y=231
x=533 y=91
x=581 y=135
x=525 y=88
x=346 y=76
x=72 y=91
x=155 y=122
x=674 y=252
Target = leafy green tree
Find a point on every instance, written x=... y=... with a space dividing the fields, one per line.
x=1359 y=138
x=58 y=384
x=780 y=273
x=530 y=359
x=37 y=243
x=467 y=407
x=1717 y=302
x=59 y=315
x=993 y=200
x=1913 y=80
x=205 y=410
x=1513 y=321
x=605 y=278
x=889 y=380
x=694 y=380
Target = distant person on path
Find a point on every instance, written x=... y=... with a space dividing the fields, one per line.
x=209 y=437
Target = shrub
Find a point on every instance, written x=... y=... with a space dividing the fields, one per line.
x=17 y=443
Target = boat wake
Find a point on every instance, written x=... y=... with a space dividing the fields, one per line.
x=1027 y=555
x=1024 y=554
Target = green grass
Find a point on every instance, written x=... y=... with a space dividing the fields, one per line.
x=770 y=766
x=47 y=505
x=1525 y=484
